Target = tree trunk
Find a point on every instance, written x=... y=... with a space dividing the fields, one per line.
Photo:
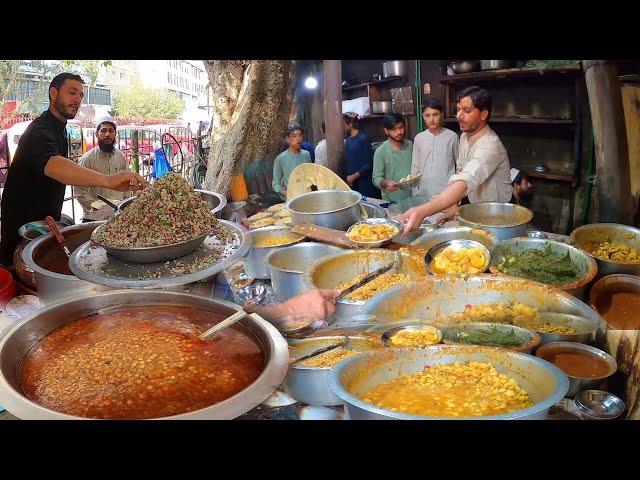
x=251 y=105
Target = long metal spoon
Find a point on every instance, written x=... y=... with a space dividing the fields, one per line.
x=107 y=201
x=56 y=233
x=227 y=322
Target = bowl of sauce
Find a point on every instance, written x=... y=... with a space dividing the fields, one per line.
x=617 y=299
x=585 y=366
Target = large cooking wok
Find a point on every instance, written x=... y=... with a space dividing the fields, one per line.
x=16 y=342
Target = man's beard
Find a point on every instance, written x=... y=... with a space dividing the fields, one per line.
x=62 y=108
x=106 y=147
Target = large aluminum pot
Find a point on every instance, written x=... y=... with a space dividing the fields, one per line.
x=335 y=209
x=373 y=210
x=381 y=106
x=495 y=64
x=27 y=235
x=53 y=286
x=614 y=232
x=505 y=220
x=19 y=339
x=600 y=298
x=216 y=202
x=577 y=384
x=310 y=385
x=587 y=266
x=288 y=265
x=440 y=235
x=394 y=68
x=255 y=264
x=332 y=270
x=545 y=383
x=435 y=296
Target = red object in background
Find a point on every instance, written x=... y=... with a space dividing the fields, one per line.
x=8 y=287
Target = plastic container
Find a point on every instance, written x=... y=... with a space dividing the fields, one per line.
x=8 y=287
x=238 y=188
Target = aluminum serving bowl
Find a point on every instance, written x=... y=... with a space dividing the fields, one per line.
x=505 y=220
x=373 y=210
x=288 y=264
x=587 y=266
x=388 y=335
x=216 y=202
x=530 y=339
x=417 y=233
x=310 y=385
x=437 y=236
x=408 y=185
x=329 y=271
x=17 y=341
x=613 y=284
x=255 y=263
x=431 y=298
x=456 y=245
x=375 y=221
x=598 y=405
x=162 y=253
x=576 y=384
x=351 y=379
x=614 y=232
x=585 y=328
x=335 y=209
x=54 y=286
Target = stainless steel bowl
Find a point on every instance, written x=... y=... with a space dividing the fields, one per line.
x=28 y=234
x=495 y=64
x=613 y=284
x=614 y=232
x=417 y=233
x=335 y=209
x=456 y=245
x=352 y=378
x=530 y=340
x=288 y=265
x=464 y=66
x=436 y=296
x=216 y=202
x=408 y=185
x=389 y=334
x=54 y=286
x=256 y=260
x=375 y=221
x=440 y=235
x=332 y=270
x=373 y=211
x=585 y=328
x=310 y=385
x=587 y=266
x=15 y=343
x=598 y=405
x=577 y=384
x=162 y=253
x=505 y=220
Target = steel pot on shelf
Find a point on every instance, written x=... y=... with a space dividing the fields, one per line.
x=394 y=68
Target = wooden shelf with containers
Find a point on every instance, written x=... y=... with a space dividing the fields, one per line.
x=541 y=103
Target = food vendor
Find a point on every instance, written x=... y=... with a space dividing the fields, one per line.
x=40 y=170
x=484 y=168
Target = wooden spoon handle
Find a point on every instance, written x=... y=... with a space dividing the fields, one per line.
x=227 y=322
x=54 y=229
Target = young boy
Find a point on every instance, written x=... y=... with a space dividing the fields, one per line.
x=392 y=159
x=288 y=160
x=435 y=151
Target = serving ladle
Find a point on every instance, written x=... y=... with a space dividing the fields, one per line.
x=56 y=233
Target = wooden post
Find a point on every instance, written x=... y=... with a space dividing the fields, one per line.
x=334 y=130
x=610 y=138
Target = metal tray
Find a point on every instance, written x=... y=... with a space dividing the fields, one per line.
x=91 y=263
x=162 y=253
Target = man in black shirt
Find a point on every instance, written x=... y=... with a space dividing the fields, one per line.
x=40 y=171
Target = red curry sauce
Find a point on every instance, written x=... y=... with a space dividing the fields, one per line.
x=578 y=364
x=140 y=362
x=621 y=310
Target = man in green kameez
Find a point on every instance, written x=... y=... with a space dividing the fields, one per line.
x=288 y=160
x=392 y=159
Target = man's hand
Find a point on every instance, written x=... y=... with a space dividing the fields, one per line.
x=413 y=218
x=449 y=213
x=352 y=178
x=125 y=181
x=316 y=302
x=390 y=185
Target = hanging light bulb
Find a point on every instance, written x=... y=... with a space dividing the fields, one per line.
x=311 y=82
